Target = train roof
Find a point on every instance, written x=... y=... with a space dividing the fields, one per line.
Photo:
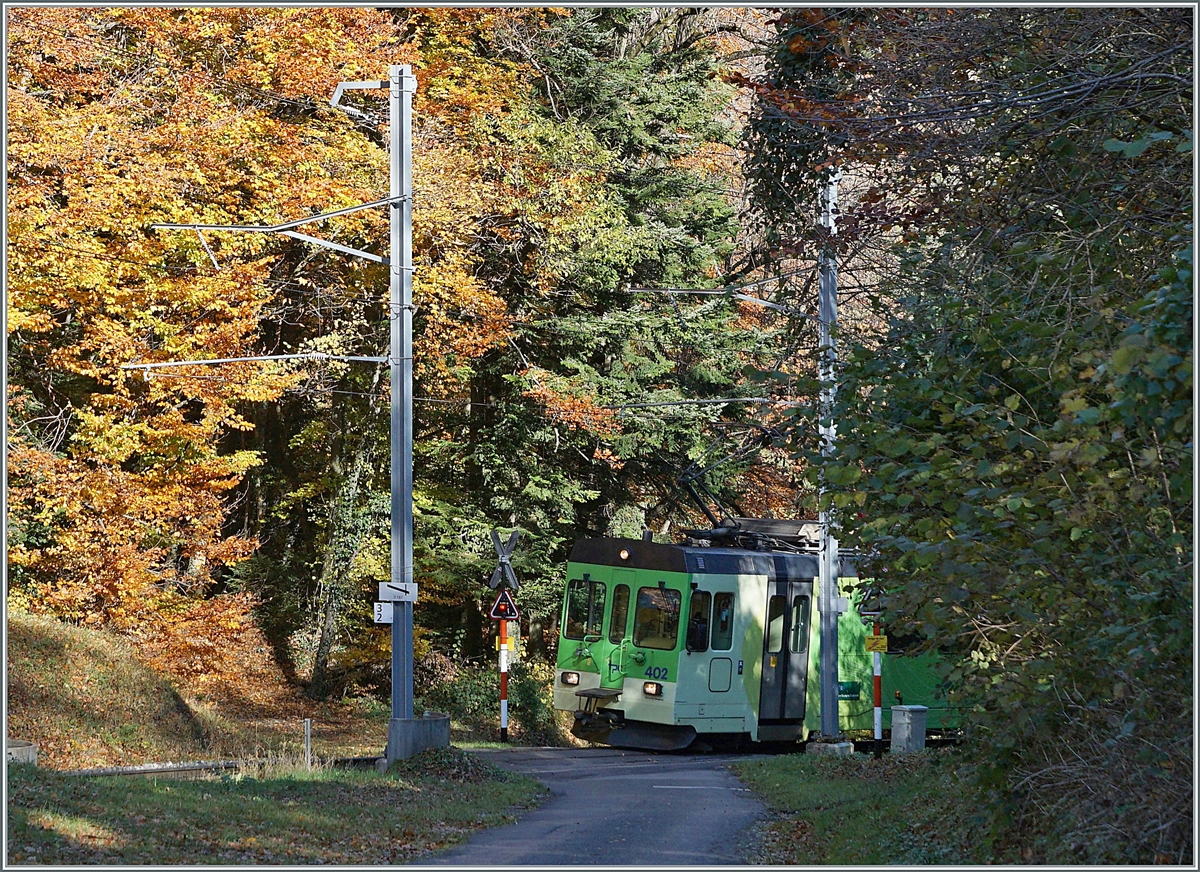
x=694 y=559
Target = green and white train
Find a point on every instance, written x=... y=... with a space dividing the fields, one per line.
x=664 y=645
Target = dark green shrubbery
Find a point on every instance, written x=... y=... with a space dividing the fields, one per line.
x=471 y=696
x=1015 y=413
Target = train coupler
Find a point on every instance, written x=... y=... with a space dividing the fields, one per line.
x=595 y=698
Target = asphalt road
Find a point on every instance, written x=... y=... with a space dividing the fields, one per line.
x=609 y=807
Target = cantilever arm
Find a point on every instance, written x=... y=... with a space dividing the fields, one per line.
x=313 y=355
x=278 y=228
x=336 y=102
x=285 y=228
x=372 y=84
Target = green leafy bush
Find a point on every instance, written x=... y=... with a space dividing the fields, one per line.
x=472 y=698
x=1015 y=417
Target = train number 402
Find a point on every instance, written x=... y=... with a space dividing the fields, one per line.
x=659 y=672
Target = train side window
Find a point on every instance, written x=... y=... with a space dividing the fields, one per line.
x=656 y=618
x=620 y=614
x=776 y=606
x=584 y=609
x=799 y=623
x=699 y=620
x=722 y=622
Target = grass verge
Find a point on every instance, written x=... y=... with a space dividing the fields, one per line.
x=912 y=809
x=273 y=816
x=86 y=699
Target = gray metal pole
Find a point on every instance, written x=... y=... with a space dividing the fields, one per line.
x=402 y=86
x=828 y=581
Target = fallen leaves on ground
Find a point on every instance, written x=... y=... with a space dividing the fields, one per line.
x=787 y=840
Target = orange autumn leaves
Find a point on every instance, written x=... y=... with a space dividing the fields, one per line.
x=564 y=404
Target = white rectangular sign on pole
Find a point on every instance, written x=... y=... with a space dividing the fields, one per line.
x=383 y=613
x=398 y=593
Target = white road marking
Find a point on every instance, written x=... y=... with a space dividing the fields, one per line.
x=697 y=787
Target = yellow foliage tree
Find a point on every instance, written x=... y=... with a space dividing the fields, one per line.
x=120 y=118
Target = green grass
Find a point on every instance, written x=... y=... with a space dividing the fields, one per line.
x=912 y=809
x=270 y=816
x=86 y=700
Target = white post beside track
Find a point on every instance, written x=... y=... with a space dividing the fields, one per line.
x=308 y=744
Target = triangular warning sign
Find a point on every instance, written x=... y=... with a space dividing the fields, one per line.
x=504 y=609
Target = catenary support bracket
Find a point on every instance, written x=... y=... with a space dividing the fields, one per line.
x=286 y=227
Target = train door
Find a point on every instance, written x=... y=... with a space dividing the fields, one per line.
x=785 y=651
x=612 y=673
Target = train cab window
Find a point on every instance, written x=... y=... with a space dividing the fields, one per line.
x=699 y=620
x=584 y=609
x=722 y=622
x=620 y=614
x=799 y=639
x=656 y=618
x=776 y=606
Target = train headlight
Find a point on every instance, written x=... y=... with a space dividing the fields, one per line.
x=652 y=688
x=570 y=678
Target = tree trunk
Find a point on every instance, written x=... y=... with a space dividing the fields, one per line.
x=552 y=648
x=535 y=642
x=344 y=539
x=472 y=625
x=318 y=686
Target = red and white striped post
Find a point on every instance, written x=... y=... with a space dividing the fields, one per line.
x=503 y=610
x=877 y=679
x=504 y=680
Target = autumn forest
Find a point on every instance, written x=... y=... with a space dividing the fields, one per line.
x=1015 y=417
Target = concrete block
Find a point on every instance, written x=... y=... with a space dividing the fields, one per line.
x=20 y=751
x=830 y=749
x=908 y=728
x=408 y=737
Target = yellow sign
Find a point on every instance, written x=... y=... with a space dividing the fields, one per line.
x=877 y=643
